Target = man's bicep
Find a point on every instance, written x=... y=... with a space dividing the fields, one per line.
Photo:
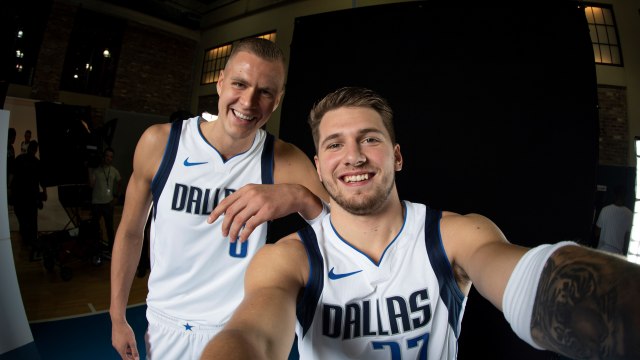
x=146 y=161
x=294 y=167
x=136 y=207
x=477 y=246
x=586 y=305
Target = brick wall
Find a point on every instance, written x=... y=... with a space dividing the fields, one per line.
x=208 y=103
x=155 y=68
x=614 y=127
x=154 y=71
x=48 y=69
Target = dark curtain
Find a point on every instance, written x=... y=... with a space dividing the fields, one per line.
x=496 y=113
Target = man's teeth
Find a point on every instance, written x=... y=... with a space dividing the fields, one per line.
x=355 y=178
x=243 y=116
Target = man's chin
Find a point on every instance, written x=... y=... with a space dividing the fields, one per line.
x=360 y=207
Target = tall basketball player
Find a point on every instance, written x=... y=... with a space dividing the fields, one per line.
x=182 y=171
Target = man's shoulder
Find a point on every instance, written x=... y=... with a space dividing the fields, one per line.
x=287 y=247
x=288 y=153
x=616 y=208
x=283 y=147
x=614 y=211
x=155 y=136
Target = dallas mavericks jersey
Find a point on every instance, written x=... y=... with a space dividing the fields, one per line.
x=196 y=273
x=406 y=306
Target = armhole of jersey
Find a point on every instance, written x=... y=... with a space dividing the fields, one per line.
x=169 y=157
x=266 y=163
x=267 y=160
x=306 y=307
x=450 y=294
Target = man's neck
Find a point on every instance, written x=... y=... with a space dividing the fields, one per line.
x=225 y=145
x=370 y=234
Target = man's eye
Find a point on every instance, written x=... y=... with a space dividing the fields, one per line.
x=333 y=146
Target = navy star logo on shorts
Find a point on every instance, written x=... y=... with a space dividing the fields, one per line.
x=187 y=327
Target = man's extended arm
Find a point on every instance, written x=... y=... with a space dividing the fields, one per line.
x=262 y=327
x=586 y=306
x=576 y=301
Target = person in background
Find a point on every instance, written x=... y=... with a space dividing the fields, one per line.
x=28 y=194
x=613 y=228
x=188 y=170
x=24 y=144
x=382 y=278
x=11 y=157
x=105 y=182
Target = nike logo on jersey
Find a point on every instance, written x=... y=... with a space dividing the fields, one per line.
x=187 y=163
x=334 y=276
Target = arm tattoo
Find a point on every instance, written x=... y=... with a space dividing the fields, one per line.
x=588 y=305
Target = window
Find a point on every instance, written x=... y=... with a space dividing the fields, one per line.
x=216 y=58
x=633 y=254
x=214 y=61
x=21 y=34
x=92 y=55
x=604 y=35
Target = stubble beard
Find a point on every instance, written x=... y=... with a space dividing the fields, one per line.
x=359 y=204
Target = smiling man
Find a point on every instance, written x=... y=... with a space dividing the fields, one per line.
x=381 y=278
x=189 y=170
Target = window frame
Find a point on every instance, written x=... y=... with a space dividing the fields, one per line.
x=598 y=44
x=212 y=65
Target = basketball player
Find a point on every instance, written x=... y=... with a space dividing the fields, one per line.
x=183 y=170
x=381 y=278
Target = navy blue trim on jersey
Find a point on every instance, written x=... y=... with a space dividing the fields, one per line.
x=376 y=263
x=306 y=307
x=266 y=164
x=449 y=292
x=267 y=160
x=169 y=157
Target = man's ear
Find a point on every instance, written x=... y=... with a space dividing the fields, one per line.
x=398 y=157
x=315 y=159
x=219 y=83
x=278 y=101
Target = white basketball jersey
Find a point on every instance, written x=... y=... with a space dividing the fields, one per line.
x=406 y=306
x=196 y=273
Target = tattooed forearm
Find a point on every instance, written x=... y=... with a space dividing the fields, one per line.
x=588 y=305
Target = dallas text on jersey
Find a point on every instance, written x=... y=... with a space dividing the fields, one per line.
x=355 y=319
x=194 y=200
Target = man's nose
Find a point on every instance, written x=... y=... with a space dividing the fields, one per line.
x=354 y=156
x=248 y=97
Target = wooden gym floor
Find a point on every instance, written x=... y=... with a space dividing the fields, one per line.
x=46 y=295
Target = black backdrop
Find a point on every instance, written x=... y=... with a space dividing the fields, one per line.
x=67 y=142
x=495 y=111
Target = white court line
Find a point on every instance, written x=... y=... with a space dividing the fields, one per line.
x=91 y=307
